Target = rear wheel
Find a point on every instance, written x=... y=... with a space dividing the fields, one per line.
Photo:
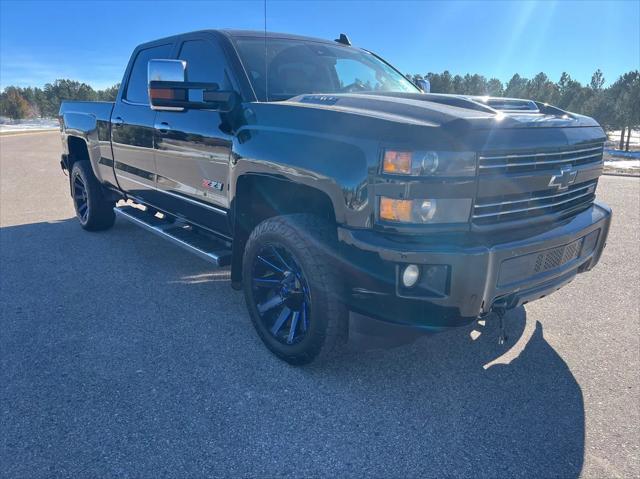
x=92 y=209
x=292 y=293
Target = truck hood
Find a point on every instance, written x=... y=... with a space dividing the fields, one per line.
x=455 y=111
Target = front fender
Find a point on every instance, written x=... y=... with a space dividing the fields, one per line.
x=335 y=166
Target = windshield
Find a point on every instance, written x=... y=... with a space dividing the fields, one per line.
x=297 y=67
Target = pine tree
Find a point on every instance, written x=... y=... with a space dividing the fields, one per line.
x=495 y=87
x=597 y=80
x=516 y=87
x=13 y=104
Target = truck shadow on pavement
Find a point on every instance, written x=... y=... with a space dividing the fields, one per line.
x=441 y=398
x=123 y=356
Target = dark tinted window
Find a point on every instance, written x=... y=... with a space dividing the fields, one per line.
x=297 y=67
x=137 y=89
x=205 y=63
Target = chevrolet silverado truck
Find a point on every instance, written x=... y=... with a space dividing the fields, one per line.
x=330 y=184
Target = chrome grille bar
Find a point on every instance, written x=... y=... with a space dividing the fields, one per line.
x=536 y=163
x=535 y=198
x=533 y=208
x=523 y=162
x=597 y=149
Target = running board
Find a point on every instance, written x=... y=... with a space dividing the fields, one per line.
x=184 y=235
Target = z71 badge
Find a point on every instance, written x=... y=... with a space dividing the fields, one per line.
x=212 y=185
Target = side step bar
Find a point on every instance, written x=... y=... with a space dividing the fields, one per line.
x=184 y=235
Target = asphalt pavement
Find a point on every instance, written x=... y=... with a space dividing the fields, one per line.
x=122 y=356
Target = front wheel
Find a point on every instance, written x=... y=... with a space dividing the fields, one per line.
x=292 y=292
x=92 y=209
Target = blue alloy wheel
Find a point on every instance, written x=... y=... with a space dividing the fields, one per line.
x=281 y=294
x=80 y=198
x=94 y=208
x=292 y=288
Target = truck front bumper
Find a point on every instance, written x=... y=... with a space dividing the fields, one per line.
x=461 y=280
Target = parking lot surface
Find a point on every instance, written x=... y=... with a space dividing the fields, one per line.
x=122 y=356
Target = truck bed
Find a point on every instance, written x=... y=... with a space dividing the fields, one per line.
x=80 y=114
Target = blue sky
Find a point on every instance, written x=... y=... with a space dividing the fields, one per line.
x=91 y=41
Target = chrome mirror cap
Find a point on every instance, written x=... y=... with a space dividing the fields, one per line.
x=165 y=70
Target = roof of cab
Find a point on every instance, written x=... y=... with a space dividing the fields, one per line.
x=239 y=34
x=261 y=34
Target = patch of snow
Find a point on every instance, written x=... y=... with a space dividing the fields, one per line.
x=34 y=124
x=614 y=138
x=623 y=164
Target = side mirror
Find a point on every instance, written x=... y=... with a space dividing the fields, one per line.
x=424 y=85
x=164 y=71
x=168 y=89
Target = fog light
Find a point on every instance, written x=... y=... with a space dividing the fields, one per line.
x=410 y=275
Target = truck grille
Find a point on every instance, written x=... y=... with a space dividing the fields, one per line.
x=498 y=209
x=490 y=164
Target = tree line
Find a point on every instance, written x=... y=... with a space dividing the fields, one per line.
x=614 y=107
x=18 y=103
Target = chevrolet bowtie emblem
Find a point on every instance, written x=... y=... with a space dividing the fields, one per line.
x=564 y=179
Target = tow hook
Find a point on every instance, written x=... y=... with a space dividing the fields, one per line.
x=500 y=311
x=63 y=166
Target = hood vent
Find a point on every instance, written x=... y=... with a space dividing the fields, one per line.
x=510 y=104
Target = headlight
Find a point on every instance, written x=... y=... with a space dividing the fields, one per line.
x=425 y=211
x=429 y=163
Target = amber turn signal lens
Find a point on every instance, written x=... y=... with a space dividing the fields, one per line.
x=397 y=162
x=395 y=210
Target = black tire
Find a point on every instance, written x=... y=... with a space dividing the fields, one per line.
x=306 y=244
x=94 y=212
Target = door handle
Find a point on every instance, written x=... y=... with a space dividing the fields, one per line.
x=118 y=121
x=162 y=127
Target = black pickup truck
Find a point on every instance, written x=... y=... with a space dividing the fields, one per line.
x=331 y=184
